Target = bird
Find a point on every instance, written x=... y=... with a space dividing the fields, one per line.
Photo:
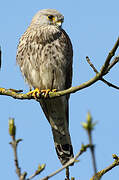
x=45 y=56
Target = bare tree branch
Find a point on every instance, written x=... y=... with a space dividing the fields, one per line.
x=104 y=171
x=67 y=173
x=89 y=127
x=116 y=59
x=22 y=176
x=99 y=76
x=70 y=162
x=14 y=144
x=108 y=59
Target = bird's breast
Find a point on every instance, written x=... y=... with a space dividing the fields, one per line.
x=53 y=66
x=43 y=57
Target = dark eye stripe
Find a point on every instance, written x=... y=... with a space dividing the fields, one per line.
x=50 y=17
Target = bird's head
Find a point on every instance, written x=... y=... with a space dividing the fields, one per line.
x=48 y=17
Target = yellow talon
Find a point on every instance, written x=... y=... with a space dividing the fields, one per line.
x=54 y=90
x=34 y=93
x=45 y=92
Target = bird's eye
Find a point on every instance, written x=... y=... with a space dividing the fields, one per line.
x=50 y=17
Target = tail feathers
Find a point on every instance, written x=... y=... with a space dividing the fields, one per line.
x=64 y=152
x=56 y=111
x=63 y=145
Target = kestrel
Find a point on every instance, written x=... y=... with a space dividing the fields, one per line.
x=44 y=55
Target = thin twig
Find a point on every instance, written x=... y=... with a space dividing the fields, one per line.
x=116 y=59
x=91 y=64
x=89 y=127
x=14 y=144
x=92 y=153
x=109 y=84
x=70 y=162
x=107 y=169
x=67 y=173
x=108 y=59
x=38 y=171
x=32 y=176
x=107 y=65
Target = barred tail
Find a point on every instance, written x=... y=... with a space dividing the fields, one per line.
x=63 y=146
x=56 y=111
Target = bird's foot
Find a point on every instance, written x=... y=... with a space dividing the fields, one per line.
x=54 y=90
x=35 y=93
x=45 y=92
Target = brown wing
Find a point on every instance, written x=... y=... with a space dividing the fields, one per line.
x=69 y=71
x=70 y=60
x=57 y=110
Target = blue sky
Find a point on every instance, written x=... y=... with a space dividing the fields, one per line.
x=93 y=28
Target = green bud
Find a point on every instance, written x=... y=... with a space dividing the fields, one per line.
x=89 y=121
x=115 y=156
x=84 y=125
x=82 y=147
x=88 y=125
x=40 y=169
x=12 y=127
x=89 y=118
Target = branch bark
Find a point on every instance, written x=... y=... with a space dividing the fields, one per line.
x=70 y=162
x=99 y=76
x=107 y=169
x=14 y=145
x=116 y=59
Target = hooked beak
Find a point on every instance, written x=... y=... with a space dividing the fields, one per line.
x=59 y=23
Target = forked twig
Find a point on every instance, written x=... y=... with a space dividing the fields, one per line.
x=116 y=59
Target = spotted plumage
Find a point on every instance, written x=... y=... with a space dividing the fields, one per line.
x=44 y=55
